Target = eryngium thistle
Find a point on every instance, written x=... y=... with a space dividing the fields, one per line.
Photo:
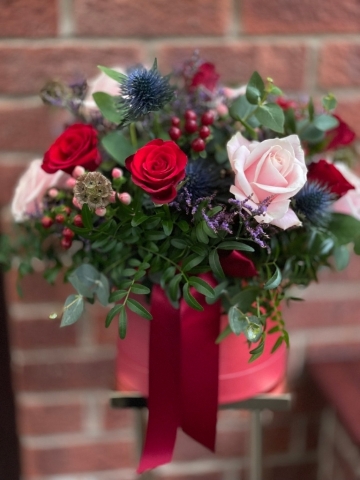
x=144 y=91
x=94 y=189
x=313 y=202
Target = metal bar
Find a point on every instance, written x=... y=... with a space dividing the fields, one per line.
x=255 y=446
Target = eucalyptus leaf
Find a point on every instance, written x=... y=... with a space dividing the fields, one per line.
x=73 y=309
x=241 y=108
x=325 y=122
x=85 y=279
x=274 y=281
x=271 y=116
x=342 y=257
x=118 y=146
x=108 y=107
x=255 y=89
x=237 y=320
x=103 y=290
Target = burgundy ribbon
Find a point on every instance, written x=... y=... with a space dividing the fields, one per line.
x=183 y=375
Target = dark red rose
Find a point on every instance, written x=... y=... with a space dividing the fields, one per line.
x=327 y=174
x=340 y=136
x=235 y=264
x=286 y=103
x=205 y=76
x=157 y=168
x=77 y=145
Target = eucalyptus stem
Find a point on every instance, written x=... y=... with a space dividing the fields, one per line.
x=133 y=136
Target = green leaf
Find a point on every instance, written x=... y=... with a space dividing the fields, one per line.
x=117 y=295
x=118 y=146
x=191 y=262
x=342 y=257
x=139 y=289
x=325 y=122
x=215 y=264
x=137 y=308
x=103 y=290
x=255 y=89
x=274 y=281
x=233 y=245
x=85 y=279
x=179 y=243
x=73 y=308
x=190 y=300
x=311 y=109
x=107 y=106
x=173 y=288
x=87 y=216
x=245 y=298
x=117 y=76
x=329 y=102
x=271 y=116
x=237 y=320
x=345 y=228
x=241 y=108
x=122 y=323
x=201 y=286
x=278 y=342
x=168 y=226
x=111 y=314
x=225 y=333
x=200 y=234
x=357 y=245
x=311 y=134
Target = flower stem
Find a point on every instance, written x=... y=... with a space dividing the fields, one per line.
x=133 y=136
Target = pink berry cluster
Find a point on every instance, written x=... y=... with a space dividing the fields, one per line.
x=67 y=234
x=191 y=125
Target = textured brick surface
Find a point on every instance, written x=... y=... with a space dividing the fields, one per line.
x=67 y=62
x=301 y=16
x=339 y=64
x=285 y=63
x=44 y=376
x=11 y=167
x=44 y=333
x=96 y=456
x=349 y=109
x=151 y=19
x=36 y=418
x=28 y=18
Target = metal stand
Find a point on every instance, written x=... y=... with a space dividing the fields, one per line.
x=269 y=401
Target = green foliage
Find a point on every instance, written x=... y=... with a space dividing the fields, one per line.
x=108 y=107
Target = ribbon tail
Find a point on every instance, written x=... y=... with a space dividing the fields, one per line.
x=164 y=383
x=200 y=368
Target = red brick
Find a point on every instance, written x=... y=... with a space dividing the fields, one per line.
x=27 y=127
x=103 y=335
x=70 y=459
x=117 y=418
x=276 y=439
x=339 y=64
x=317 y=313
x=27 y=67
x=11 y=166
x=348 y=109
x=351 y=273
x=35 y=418
x=295 y=471
x=199 y=476
x=284 y=62
x=45 y=333
x=28 y=18
x=152 y=19
x=302 y=16
x=36 y=289
x=66 y=375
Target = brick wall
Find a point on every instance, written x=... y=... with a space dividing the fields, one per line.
x=62 y=377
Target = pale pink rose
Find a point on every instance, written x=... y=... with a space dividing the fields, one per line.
x=101 y=83
x=32 y=186
x=273 y=168
x=349 y=203
x=234 y=92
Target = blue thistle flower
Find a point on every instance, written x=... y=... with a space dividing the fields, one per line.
x=312 y=203
x=143 y=91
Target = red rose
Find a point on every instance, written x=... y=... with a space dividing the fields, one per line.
x=205 y=76
x=340 y=135
x=77 y=145
x=327 y=174
x=157 y=168
x=286 y=103
x=235 y=264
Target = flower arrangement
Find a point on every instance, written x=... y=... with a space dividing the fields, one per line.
x=179 y=183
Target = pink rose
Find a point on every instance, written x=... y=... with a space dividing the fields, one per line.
x=349 y=203
x=273 y=168
x=32 y=186
x=101 y=83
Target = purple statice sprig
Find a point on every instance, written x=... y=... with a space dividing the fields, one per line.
x=247 y=213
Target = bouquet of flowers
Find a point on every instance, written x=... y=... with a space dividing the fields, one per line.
x=180 y=187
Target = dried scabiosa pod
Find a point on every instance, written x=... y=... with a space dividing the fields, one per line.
x=94 y=189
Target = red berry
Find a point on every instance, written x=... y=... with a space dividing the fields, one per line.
x=190 y=115
x=67 y=210
x=66 y=242
x=77 y=221
x=204 y=131
x=191 y=126
x=175 y=121
x=175 y=133
x=198 y=145
x=46 y=222
x=59 y=218
x=68 y=233
x=207 y=118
